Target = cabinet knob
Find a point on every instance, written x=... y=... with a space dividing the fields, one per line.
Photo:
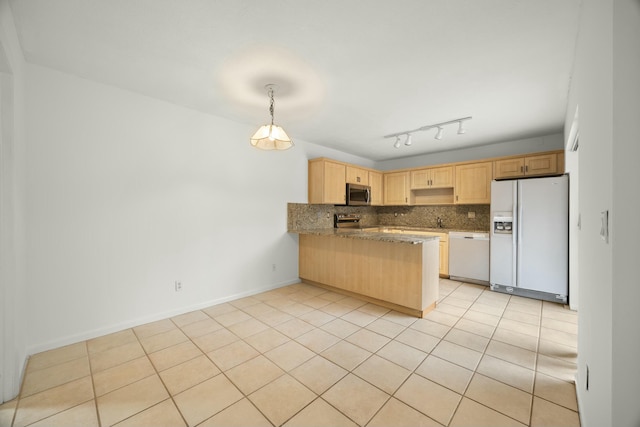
x=526 y=168
x=521 y=169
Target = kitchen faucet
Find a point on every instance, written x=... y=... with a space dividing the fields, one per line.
x=439 y=222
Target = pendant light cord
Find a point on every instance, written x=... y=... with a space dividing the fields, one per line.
x=271 y=105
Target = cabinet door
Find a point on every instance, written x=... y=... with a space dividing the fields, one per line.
x=396 y=188
x=442 y=177
x=432 y=178
x=334 y=183
x=509 y=168
x=473 y=183
x=326 y=182
x=540 y=165
x=444 y=257
x=420 y=179
x=375 y=181
x=357 y=175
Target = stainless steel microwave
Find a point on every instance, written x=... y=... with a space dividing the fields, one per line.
x=358 y=195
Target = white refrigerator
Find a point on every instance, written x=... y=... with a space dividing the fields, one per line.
x=529 y=244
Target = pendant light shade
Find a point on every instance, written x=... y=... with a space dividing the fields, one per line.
x=271 y=136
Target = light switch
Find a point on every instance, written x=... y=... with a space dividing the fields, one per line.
x=604 y=226
x=579 y=221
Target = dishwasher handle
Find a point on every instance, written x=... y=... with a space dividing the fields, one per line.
x=468 y=236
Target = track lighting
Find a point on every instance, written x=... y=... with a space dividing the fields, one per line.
x=439 y=133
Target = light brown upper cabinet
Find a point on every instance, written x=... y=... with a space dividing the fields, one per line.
x=396 y=188
x=473 y=183
x=327 y=183
x=357 y=176
x=440 y=177
x=375 y=182
x=544 y=164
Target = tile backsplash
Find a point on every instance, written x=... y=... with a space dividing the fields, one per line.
x=305 y=216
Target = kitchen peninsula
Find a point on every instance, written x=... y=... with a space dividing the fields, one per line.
x=396 y=271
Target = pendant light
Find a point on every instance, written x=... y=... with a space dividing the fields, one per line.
x=271 y=136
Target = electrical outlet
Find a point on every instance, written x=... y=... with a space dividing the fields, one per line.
x=178 y=286
x=471 y=214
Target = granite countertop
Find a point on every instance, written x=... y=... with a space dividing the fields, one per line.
x=369 y=233
x=360 y=233
x=432 y=229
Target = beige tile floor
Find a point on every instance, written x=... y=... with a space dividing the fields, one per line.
x=302 y=356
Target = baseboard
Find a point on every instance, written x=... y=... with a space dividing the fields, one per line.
x=72 y=339
x=578 y=383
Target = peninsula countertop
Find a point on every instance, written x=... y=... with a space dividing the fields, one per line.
x=396 y=234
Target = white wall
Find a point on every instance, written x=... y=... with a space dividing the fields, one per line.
x=572 y=168
x=626 y=206
x=605 y=87
x=127 y=194
x=13 y=329
x=508 y=148
x=591 y=90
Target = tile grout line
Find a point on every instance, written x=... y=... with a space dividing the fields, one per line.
x=534 y=370
x=475 y=371
x=535 y=374
x=19 y=398
x=155 y=369
x=93 y=384
x=319 y=396
x=462 y=395
x=412 y=372
x=389 y=395
x=260 y=353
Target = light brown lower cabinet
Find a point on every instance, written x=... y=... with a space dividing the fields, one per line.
x=444 y=249
x=444 y=256
x=398 y=275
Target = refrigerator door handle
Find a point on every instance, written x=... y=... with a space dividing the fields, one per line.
x=518 y=242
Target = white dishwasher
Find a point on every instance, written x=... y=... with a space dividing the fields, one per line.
x=469 y=257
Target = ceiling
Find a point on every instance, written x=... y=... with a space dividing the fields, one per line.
x=347 y=72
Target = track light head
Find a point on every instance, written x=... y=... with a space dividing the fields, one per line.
x=439 y=133
x=397 y=144
x=408 y=141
